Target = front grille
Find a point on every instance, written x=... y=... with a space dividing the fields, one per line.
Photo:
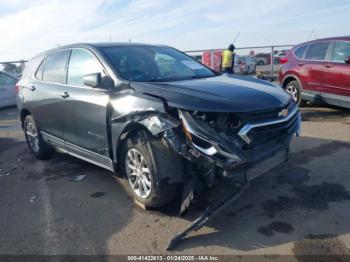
x=264 y=134
x=263 y=138
x=265 y=115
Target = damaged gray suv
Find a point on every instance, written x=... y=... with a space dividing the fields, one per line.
x=154 y=116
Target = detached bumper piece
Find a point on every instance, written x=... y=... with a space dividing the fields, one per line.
x=208 y=214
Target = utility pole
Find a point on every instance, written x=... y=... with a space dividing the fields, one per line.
x=110 y=37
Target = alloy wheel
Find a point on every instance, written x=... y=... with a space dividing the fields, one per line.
x=32 y=136
x=293 y=91
x=138 y=173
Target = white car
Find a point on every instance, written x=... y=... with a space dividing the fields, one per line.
x=7 y=89
x=244 y=65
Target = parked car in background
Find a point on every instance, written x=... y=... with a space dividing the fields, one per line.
x=7 y=89
x=262 y=59
x=318 y=70
x=155 y=115
x=246 y=65
x=282 y=53
x=279 y=55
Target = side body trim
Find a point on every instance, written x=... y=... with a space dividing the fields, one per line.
x=79 y=152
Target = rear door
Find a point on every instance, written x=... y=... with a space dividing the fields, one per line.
x=7 y=90
x=312 y=67
x=45 y=95
x=85 y=122
x=336 y=77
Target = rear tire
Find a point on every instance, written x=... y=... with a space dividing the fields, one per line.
x=142 y=161
x=37 y=145
x=293 y=88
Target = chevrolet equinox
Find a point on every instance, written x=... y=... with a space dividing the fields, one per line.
x=154 y=116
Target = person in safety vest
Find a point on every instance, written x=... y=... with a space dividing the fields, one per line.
x=227 y=59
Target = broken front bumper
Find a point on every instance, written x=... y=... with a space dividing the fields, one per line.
x=244 y=149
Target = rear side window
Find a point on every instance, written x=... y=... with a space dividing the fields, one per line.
x=40 y=71
x=55 y=71
x=82 y=63
x=299 y=52
x=341 y=50
x=317 y=51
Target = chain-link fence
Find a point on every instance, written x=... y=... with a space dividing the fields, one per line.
x=248 y=60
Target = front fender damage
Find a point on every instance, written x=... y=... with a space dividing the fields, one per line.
x=152 y=120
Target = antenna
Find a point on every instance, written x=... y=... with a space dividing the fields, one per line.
x=310 y=35
x=236 y=37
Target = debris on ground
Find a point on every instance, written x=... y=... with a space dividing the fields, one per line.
x=7 y=174
x=19 y=159
x=32 y=199
x=79 y=178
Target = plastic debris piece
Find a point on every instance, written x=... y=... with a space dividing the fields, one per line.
x=32 y=199
x=79 y=178
x=19 y=159
x=7 y=174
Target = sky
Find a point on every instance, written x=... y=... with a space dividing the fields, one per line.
x=30 y=27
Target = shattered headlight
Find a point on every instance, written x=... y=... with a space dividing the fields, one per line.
x=203 y=131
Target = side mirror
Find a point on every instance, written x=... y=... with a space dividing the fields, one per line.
x=239 y=62
x=93 y=80
x=347 y=60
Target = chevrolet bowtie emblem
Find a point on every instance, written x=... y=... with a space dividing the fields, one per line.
x=283 y=113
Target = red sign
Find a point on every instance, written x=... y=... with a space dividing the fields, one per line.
x=212 y=59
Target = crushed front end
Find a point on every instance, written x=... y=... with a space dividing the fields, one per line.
x=239 y=144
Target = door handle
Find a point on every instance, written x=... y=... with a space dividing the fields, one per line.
x=32 y=88
x=328 y=66
x=300 y=64
x=65 y=95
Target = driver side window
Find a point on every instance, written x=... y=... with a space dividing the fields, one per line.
x=82 y=63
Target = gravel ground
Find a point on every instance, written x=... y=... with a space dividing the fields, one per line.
x=301 y=207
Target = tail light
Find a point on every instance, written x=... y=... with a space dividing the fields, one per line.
x=283 y=60
x=16 y=88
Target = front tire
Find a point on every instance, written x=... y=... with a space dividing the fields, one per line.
x=143 y=159
x=35 y=142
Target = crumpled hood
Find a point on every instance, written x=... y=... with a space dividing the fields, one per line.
x=224 y=93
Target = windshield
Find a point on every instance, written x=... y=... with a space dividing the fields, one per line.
x=153 y=64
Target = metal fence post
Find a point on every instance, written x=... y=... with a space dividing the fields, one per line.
x=272 y=59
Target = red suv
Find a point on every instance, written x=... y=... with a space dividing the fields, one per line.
x=318 y=70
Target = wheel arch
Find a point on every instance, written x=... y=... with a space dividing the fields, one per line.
x=129 y=130
x=288 y=78
x=149 y=130
x=23 y=114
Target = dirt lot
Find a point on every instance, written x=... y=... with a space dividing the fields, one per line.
x=301 y=207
